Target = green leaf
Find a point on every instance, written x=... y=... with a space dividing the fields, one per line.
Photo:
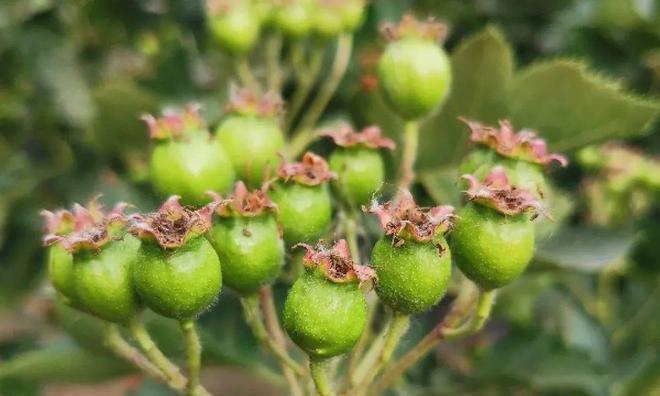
x=482 y=67
x=572 y=107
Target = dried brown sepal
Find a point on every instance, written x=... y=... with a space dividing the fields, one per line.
x=496 y=192
x=84 y=227
x=524 y=145
x=173 y=224
x=404 y=220
x=244 y=202
x=244 y=101
x=412 y=27
x=220 y=7
x=312 y=170
x=336 y=263
x=371 y=137
x=175 y=124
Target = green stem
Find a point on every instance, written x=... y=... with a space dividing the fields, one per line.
x=126 y=351
x=409 y=155
x=444 y=329
x=194 y=352
x=253 y=318
x=317 y=370
x=273 y=69
x=351 y=231
x=342 y=58
x=306 y=79
x=245 y=74
x=358 y=352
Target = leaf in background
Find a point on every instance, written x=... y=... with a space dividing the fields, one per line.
x=442 y=185
x=585 y=249
x=482 y=68
x=572 y=107
x=580 y=332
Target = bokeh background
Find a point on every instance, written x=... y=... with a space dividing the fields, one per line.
x=76 y=74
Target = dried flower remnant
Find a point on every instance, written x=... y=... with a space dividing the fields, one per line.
x=496 y=192
x=244 y=202
x=524 y=145
x=371 y=137
x=403 y=219
x=312 y=170
x=412 y=27
x=173 y=224
x=336 y=262
x=175 y=124
x=244 y=101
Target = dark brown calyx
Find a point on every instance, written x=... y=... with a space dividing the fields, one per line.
x=413 y=27
x=311 y=171
x=336 y=263
x=244 y=202
x=245 y=102
x=496 y=192
x=84 y=227
x=175 y=124
x=173 y=224
x=371 y=137
x=523 y=145
x=404 y=220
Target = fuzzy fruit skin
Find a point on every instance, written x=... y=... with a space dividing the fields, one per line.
x=238 y=30
x=252 y=144
x=250 y=249
x=328 y=23
x=295 y=19
x=102 y=281
x=412 y=277
x=361 y=173
x=414 y=76
x=190 y=168
x=324 y=318
x=305 y=212
x=490 y=249
x=352 y=14
x=181 y=283
x=60 y=270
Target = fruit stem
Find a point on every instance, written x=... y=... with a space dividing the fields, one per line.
x=445 y=329
x=120 y=347
x=317 y=369
x=253 y=318
x=358 y=352
x=274 y=328
x=194 y=352
x=245 y=75
x=409 y=155
x=351 y=232
x=273 y=69
x=306 y=77
x=304 y=133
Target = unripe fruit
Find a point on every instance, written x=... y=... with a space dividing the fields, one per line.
x=352 y=14
x=236 y=28
x=327 y=19
x=490 y=249
x=412 y=277
x=60 y=270
x=294 y=18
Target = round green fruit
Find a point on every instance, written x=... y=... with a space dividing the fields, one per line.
x=238 y=30
x=102 y=281
x=294 y=19
x=324 y=318
x=352 y=14
x=181 y=283
x=490 y=249
x=360 y=171
x=60 y=270
x=327 y=23
x=305 y=212
x=190 y=168
x=412 y=277
x=250 y=249
x=414 y=76
x=252 y=144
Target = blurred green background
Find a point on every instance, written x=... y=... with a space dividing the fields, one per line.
x=75 y=75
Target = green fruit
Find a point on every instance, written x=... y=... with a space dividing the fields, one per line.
x=179 y=283
x=238 y=30
x=414 y=76
x=252 y=144
x=102 y=280
x=190 y=168
x=250 y=249
x=327 y=22
x=360 y=171
x=492 y=249
x=60 y=270
x=305 y=212
x=323 y=318
x=412 y=277
x=294 y=19
x=352 y=14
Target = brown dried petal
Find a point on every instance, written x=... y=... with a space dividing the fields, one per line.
x=497 y=193
x=174 y=124
x=243 y=202
x=336 y=262
x=312 y=170
x=173 y=224
x=403 y=219
x=346 y=136
x=412 y=27
x=524 y=145
x=245 y=102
